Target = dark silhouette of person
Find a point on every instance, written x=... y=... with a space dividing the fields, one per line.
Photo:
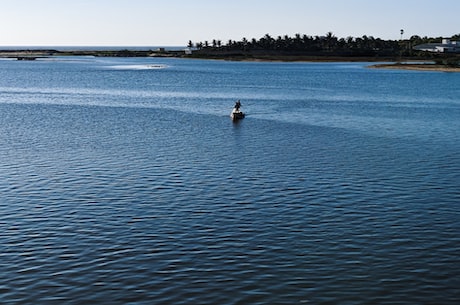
x=237 y=105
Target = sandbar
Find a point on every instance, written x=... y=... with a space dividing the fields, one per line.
x=417 y=67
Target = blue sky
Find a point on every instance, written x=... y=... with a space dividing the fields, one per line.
x=174 y=23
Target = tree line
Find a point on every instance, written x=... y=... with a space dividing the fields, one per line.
x=304 y=44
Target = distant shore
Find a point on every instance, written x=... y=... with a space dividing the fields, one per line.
x=390 y=63
x=43 y=53
x=40 y=53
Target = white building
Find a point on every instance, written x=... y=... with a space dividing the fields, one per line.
x=446 y=46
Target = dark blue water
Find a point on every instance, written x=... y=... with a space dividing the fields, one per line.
x=124 y=181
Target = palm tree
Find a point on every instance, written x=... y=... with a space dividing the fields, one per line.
x=297 y=41
x=331 y=41
x=244 y=43
x=287 y=42
x=267 y=42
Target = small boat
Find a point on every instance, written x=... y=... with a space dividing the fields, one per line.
x=237 y=114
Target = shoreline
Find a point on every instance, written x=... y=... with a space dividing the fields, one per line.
x=38 y=53
x=384 y=62
x=416 y=67
x=15 y=53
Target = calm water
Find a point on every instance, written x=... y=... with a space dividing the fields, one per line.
x=124 y=181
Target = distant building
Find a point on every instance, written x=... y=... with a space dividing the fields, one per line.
x=446 y=46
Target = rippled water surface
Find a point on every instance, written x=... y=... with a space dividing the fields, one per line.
x=124 y=181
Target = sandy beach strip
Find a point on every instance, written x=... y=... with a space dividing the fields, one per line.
x=417 y=67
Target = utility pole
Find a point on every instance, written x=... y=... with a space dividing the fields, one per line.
x=400 y=46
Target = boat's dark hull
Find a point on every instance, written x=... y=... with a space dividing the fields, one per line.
x=237 y=115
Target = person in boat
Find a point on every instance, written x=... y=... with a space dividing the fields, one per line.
x=237 y=105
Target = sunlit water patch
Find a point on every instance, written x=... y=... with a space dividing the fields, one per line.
x=138 y=67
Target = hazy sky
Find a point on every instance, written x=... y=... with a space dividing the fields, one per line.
x=175 y=22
